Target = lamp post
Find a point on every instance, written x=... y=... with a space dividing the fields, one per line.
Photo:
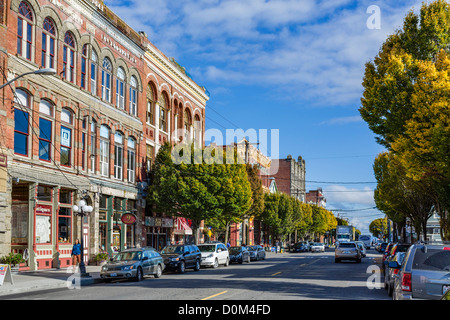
x=42 y=72
x=82 y=210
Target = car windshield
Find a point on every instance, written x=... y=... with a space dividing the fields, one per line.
x=172 y=249
x=318 y=244
x=127 y=256
x=207 y=248
x=234 y=250
x=252 y=248
x=432 y=259
x=347 y=245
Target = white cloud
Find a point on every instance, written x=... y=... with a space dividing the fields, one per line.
x=310 y=50
x=337 y=194
x=342 y=120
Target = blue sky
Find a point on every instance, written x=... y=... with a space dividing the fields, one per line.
x=292 y=65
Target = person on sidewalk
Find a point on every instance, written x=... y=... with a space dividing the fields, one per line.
x=76 y=254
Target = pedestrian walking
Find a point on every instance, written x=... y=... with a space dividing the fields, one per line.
x=76 y=254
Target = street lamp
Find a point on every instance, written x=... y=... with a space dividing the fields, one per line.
x=82 y=210
x=42 y=72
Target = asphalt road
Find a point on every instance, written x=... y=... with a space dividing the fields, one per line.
x=288 y=276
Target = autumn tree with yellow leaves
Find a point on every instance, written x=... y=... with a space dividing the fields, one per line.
x=406 y=103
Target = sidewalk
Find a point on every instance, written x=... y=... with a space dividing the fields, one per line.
x=29 y=281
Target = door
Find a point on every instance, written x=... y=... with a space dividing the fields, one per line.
x=223 y=253
x=85 y=240
x=188 y=256
x=147 y=262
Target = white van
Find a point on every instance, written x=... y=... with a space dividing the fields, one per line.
x=214 y=254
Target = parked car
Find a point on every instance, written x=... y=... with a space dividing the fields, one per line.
x=182 y=257
x=347 y=251
x=386 y=253
x=391 y=273
x=301 y=246
x=256 y=252
x=133 y=264
x=239 y=254
x=317 y=247
x=214 y=254
x=382 y=247
x=424 y=273
x=362 y=248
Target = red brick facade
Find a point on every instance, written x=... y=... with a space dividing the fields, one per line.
x=115 y=99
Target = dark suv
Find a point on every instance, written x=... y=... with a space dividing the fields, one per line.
x=180 y=257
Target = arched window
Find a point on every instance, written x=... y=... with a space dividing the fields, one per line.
x=104 y=150
x=120 y=88
x=197 y=131
x=150 y=104
x=94 y=64
x=163 y=113
x=25 y=31
x=48 y=43
x=66 y=138
x=118 y=155
x=133 y=96
x=187 y=125
x=21 y=122
x=45 y=130
x=131 y=160
x=69 y=57
x=84 y=66
x=106 y=79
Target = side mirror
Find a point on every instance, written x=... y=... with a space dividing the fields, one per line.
x=394 y=265
x=145 y=259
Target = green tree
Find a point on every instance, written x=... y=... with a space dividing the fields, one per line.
x=399 y=196
x=196 y=190
x=379 y=228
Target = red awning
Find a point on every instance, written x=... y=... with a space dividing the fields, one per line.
x=182 y=227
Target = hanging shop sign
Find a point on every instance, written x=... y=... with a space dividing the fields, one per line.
x=128 y=218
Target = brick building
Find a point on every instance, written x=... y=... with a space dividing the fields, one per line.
x=290 y=176
x=90 y=132
x=316 y=197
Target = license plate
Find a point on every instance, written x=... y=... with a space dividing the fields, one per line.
x=346 y=252
x=113 y=275
x=445 y=289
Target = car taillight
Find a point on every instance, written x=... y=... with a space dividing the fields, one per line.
x=396 y=271
x=406 y=282
x=447 y=248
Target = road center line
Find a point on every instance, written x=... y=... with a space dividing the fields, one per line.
x=218 y=294
x=275 y=274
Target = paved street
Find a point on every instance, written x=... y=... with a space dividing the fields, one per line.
x=294 y=276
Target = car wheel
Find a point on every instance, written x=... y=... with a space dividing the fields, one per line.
x=248 y=259
x=241 y=261
x=139 y=275
x=227 y=263
x=158 y=271
x=197 y=265
x=216 y=263
x=336 y=261
x=181 y=267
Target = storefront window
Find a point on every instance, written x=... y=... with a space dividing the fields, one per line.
x=65 y=196
x=43 y=224
x=65 y=225
x=44 y=193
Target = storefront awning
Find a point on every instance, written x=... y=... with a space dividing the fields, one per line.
x=182 y=227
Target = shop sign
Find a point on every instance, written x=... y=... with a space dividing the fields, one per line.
x=42 y=209
x=159 y=222
x=5 y=274
x=128 y=218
